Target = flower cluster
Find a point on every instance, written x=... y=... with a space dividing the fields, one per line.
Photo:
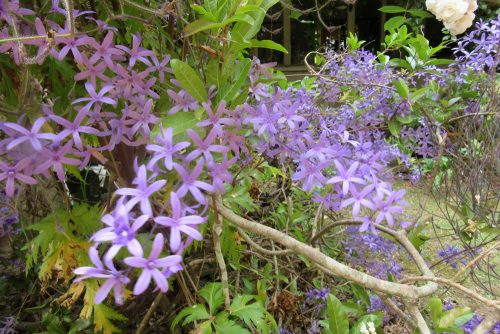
x=478 y=50
x=117 y=111
x=338 y=156
x=373 y=253
x=457 y=15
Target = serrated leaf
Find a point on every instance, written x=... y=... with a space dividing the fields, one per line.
x=402 y=88
x=190 y=314
x=212 y=293
x=189 y=79
x=103 y=316
x=250 y=313
x=230 y=327
x=337 y=318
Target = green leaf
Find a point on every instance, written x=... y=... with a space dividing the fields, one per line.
x=337 y=318
x=394 y=127
x=392 y=9
x=230 y=327
x=201 y=25
x=189 y=79
x=420 y=13
x=439 y=62
x=242 y=76
x=436 y=309
x=190 y=314
x=353 y=308
x=102 y=319
x=268 y=44
x=449 y=317
x=394 y=22
x=180 y=122
x=250 y=313
x=212 y=293
x=361 y=294
x=416 y=237
x=402 y=88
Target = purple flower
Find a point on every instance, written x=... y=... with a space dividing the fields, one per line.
x=346 y=177
x=55 y=156
x=165 y=150
x=150 y=266
x=10 y=173
x=137 y=53
x=105 y=51
x=33 y=136
x=183 y=101
x=359 y=198
x=74 y=128
x=161 y=68
x=177 y=223
x=311 y=173
x=204 y=147
x=142 y=193
x=215 y=119
x=122 y=235
x=191 y=183
x=115 y=279
x=96 y=98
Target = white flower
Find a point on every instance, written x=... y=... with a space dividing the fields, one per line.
x=363 y=329
x=458 y=27
x=457 y=15
x=431 y=6
x=451 y=10
x=369 y=330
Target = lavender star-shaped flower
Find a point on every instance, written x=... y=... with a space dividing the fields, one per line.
x=150 y=266
x=165 y=149
x=142 y=193
x=115 y=279
x=179 y=223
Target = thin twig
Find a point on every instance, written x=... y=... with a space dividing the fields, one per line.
x=217 y=231
x=149 y=313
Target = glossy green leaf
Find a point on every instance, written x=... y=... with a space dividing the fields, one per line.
x=449 y=317
x=361 y=294
x=394 y=22
x=420 y=13
x=337 y=318
x=392 y=9
x=268 y=44
x=189 y=79
x=394 y=127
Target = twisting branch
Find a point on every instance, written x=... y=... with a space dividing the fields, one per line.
x=488 y=302
x=486 y=325
x=412 y=308
x=388 y=301
x=259 y=248
x=338 y=269
x=217 y=231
